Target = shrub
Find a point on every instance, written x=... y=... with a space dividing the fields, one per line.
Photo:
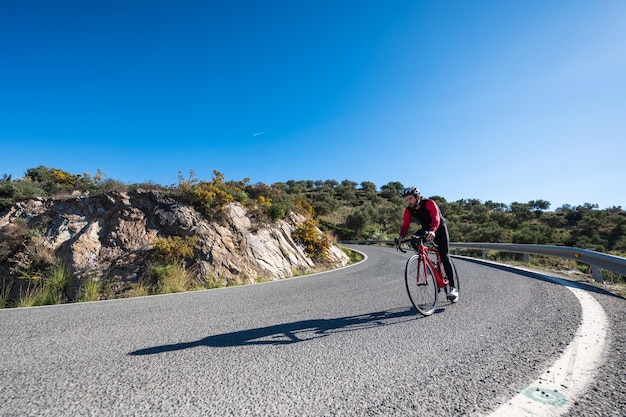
x=174 y=249
x=315 y=242
x=14 y=191
x=112 y=185
x=205 y=196
x=281 y=203
x=52 y=180
x=303 y=207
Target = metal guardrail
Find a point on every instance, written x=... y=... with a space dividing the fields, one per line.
x=596 y=260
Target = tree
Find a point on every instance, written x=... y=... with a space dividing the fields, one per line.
x=389 y=216
x=347 y=191
x=539 y=206
x=496 y=206
x=392 y=191
x=331 y=183
x=368 y=192
x=368 y=187
x=521 y=211
x=295 y=187
x=357 y=221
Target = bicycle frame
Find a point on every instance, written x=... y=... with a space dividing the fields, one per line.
x=427 y=251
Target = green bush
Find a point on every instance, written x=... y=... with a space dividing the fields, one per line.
x=12 y=192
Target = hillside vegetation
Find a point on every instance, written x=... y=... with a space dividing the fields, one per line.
x=349 y=210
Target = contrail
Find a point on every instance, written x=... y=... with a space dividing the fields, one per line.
x=258 y=133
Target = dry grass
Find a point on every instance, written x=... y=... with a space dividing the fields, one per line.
x=171 y=279
x=5 y=291
x=89 y=291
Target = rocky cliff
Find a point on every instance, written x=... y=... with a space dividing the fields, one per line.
x=110 y=237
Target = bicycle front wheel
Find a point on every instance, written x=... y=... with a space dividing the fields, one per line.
x=421 y=285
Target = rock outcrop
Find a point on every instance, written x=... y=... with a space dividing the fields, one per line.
x=110 y=237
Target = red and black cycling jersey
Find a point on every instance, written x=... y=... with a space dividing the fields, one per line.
x=428 y=214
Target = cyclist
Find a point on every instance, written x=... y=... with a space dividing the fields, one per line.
x=433 y=225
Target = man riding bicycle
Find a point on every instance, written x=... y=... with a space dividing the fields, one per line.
x=433 y=225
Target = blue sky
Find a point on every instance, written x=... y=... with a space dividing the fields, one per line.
x=508 y=101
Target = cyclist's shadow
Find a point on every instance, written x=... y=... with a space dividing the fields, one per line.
x=283 y=334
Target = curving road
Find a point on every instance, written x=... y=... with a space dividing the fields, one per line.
x=342 y=343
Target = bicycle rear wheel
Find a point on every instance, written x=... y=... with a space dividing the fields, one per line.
x=421 y=285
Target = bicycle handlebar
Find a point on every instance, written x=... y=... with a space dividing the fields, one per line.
x=398 y=242
x=421 y=239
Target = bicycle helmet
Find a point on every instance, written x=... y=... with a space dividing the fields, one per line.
x=410 y=191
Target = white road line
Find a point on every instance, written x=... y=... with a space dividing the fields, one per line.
x=557 y=389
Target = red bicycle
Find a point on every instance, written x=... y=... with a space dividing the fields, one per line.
x=424 y=275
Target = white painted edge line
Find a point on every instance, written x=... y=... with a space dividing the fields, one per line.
x=557 y=389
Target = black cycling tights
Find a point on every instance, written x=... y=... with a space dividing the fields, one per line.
x=442 y=239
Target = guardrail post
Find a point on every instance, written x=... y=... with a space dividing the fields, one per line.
x=484 y=254
x=526 y=258
x=596 y=272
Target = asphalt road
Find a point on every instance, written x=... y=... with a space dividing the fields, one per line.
x=342 y=343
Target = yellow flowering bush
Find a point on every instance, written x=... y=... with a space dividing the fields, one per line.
x=315 y=242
